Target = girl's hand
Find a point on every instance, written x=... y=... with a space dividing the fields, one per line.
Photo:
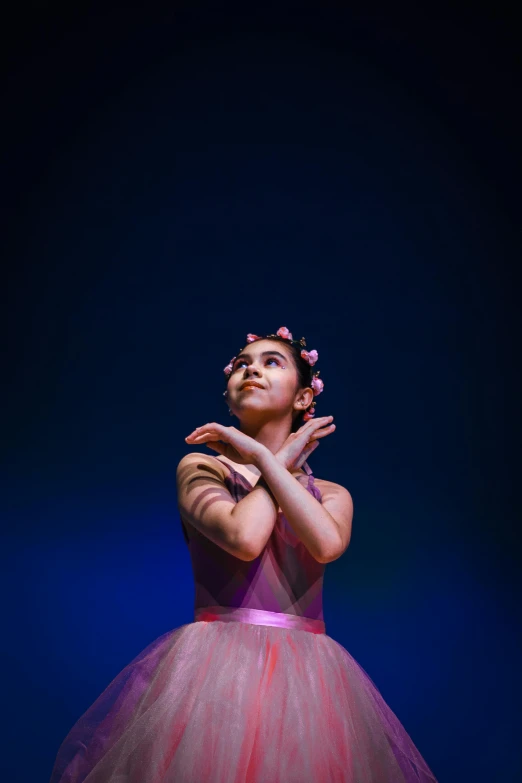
x=229 y=441
x=299 y=445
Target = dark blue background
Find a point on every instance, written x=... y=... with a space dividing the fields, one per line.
x=176 y=179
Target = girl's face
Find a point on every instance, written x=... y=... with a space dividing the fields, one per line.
x=268 y=364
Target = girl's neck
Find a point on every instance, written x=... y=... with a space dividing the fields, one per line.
x=271 y=434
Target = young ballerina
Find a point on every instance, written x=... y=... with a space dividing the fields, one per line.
x=254 y=690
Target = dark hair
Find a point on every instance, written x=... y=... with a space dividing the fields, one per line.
x=304 y=372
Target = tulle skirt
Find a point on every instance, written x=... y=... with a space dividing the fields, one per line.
x=240 y=702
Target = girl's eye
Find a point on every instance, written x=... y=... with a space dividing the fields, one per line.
x=238 y=364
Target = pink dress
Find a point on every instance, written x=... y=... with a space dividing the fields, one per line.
x=252 y=691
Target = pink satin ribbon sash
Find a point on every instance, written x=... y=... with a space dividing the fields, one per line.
x=210 y=614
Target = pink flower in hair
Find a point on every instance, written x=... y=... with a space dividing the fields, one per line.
x=310 y=356
x=317 y=385
x=228 y=369
x=252 y=337
x=284 y=333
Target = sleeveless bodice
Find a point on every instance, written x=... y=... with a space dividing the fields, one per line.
x=284 y=578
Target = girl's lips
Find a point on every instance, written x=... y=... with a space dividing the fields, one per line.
x=250 y=386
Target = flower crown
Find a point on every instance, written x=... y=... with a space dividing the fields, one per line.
x=309 y=356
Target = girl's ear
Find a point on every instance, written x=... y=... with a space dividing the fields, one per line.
x=304 y=399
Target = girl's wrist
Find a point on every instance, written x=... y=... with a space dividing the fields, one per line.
x=261 y=455
x=261 y=482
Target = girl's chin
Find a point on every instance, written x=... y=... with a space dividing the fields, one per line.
x=255 y=414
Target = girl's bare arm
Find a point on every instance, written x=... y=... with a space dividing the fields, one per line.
x=324 y=528
x=204 y=500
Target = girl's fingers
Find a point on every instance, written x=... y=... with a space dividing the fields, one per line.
x=217 y=446
x=327 y=431
x=315 y=424
x=323 y=421
x=205 y=436
x=321 y=433
x=208 y=430
x=311 y=447
x=212 y=427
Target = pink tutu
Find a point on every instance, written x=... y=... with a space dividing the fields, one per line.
x=252 y=691
x=238 y=702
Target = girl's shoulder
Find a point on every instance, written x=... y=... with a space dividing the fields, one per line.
x=330 y=487
x=323 y=484
x=198 y=461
